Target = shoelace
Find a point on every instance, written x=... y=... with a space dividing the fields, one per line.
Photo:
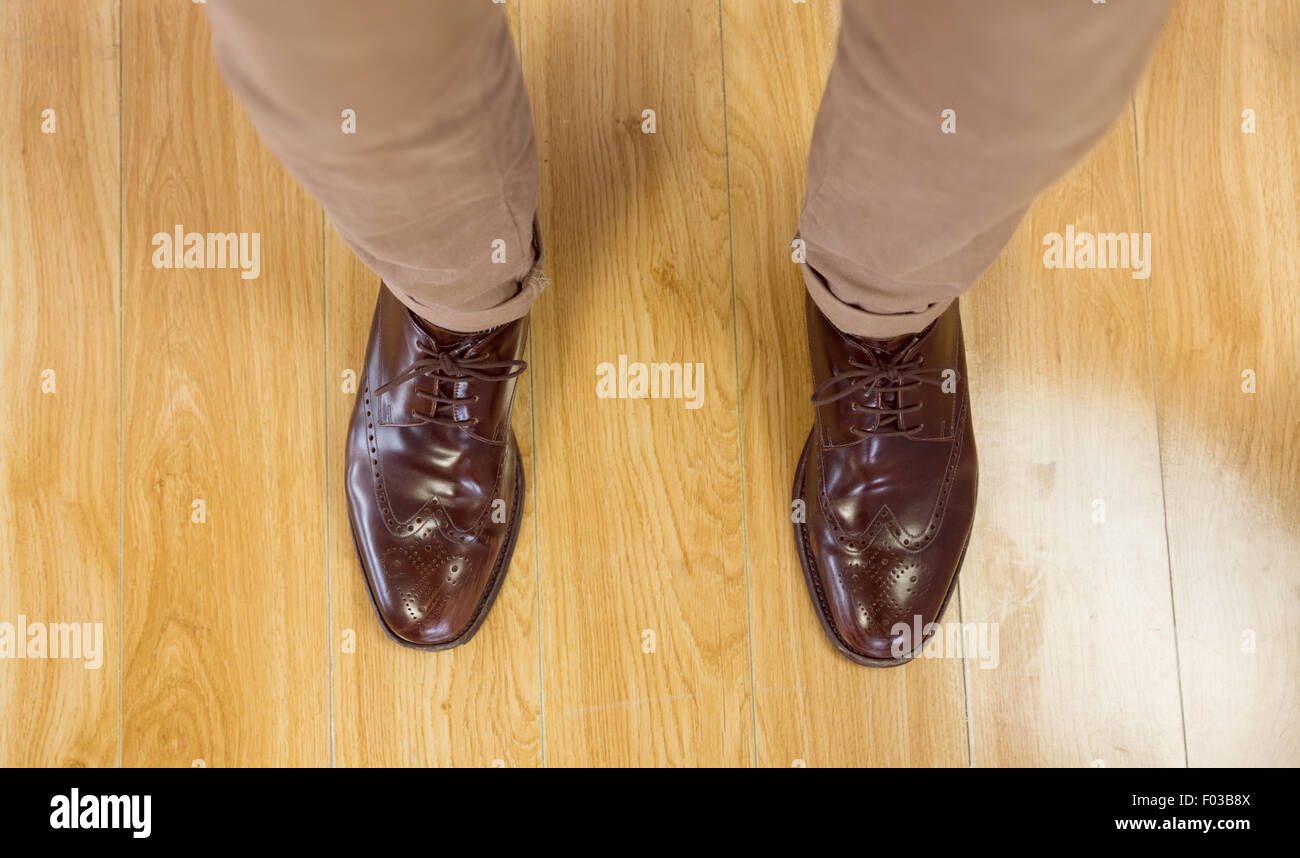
x=443 y=367
x=891 y=379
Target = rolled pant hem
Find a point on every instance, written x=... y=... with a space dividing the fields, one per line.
x=858 y=322
x=469 y=321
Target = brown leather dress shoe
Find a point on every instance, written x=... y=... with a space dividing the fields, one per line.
x=887 y=479
x=434 y=479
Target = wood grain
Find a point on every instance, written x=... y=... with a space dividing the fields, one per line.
x=1068 y=557
x=224 y=621
x=640 y=541
x=1221 y=208
x=59 y=290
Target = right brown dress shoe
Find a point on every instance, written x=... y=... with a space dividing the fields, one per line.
x=434 y=480
x=887 y=479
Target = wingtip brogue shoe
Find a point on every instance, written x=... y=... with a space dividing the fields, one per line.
x=434 y=478
x=887 y=481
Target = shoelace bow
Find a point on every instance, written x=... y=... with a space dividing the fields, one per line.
x=444 y=367
x=891 y=379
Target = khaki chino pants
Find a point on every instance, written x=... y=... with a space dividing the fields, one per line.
x=438 y=184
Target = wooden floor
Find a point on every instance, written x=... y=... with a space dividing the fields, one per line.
x=1137 y=541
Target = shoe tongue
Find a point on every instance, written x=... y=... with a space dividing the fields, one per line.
x=446 y=339
x=888 y=347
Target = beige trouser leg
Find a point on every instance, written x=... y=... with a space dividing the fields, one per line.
x=901 y=218
x=438 y=184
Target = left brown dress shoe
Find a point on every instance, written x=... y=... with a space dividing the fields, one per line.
x=887 y=479
x=434 y=479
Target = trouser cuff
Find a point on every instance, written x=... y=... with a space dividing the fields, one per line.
x=854 y=319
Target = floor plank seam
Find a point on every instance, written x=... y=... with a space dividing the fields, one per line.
x=1160 y=450
x=740 y=414
x=121 y=385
